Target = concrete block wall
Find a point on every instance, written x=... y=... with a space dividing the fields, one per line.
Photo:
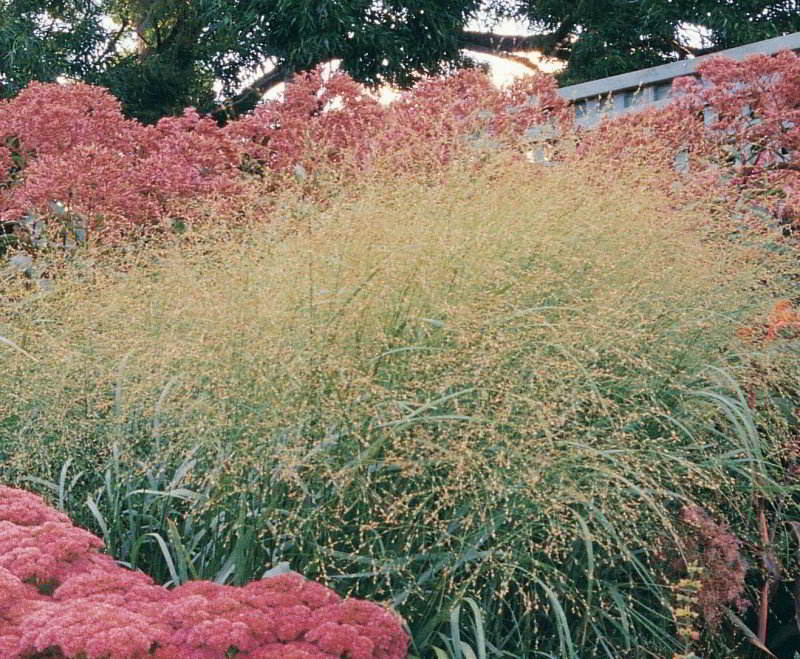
x=629 y=92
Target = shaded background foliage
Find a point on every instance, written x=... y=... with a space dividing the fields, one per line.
x=615 y=36
x=160 y=56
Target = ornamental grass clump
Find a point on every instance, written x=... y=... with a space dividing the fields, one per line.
x=501 y=384
x=60 y=597
x=425 y=370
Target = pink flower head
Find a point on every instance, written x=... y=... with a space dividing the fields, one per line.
x=85 y=628
x=44 y=553
x=95 y=609
x=26 y=509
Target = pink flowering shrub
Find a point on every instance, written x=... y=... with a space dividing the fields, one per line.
x=738 y=127
x=755 y=105
x=60 y=597
x=319 y=119
x=70 y=144
x=332 y=120
x=438 y=113
x=50 y=119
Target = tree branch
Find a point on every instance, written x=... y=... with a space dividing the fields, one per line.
x=790 y=166
x=561 y=35
x=549 y=44
x=487 y=42
x=249 y=97
x=519 y=59
x=498 y=45
x=112 y=43
x=699 y=52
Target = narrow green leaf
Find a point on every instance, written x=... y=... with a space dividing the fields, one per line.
x=480 y=633
x=455 y=630
x=173 y=573
x=98 y=516
x=742 y=627
x=182 y=556
x=9 y=342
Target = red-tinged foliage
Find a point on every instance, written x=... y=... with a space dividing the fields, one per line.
x=712 y=546
x=738 y=127
x=442 y=118
x=331 y=120
x=319 y=119
x=756 y=101
x=59 y=597
x=71 y=144
x=782 y=322
x=50 y=119
x=783 y=318
x=755 y=105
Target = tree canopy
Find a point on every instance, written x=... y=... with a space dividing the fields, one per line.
x=221 y=56
x=607 y=37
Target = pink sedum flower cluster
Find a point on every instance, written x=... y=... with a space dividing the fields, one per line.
x=60 y=597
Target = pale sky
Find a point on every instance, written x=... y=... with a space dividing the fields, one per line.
x=502 y=71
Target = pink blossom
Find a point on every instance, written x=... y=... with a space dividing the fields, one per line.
x=295 y=650
x=718 y=551
x=26 y=509
x=83 y=627
x=80 y=603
